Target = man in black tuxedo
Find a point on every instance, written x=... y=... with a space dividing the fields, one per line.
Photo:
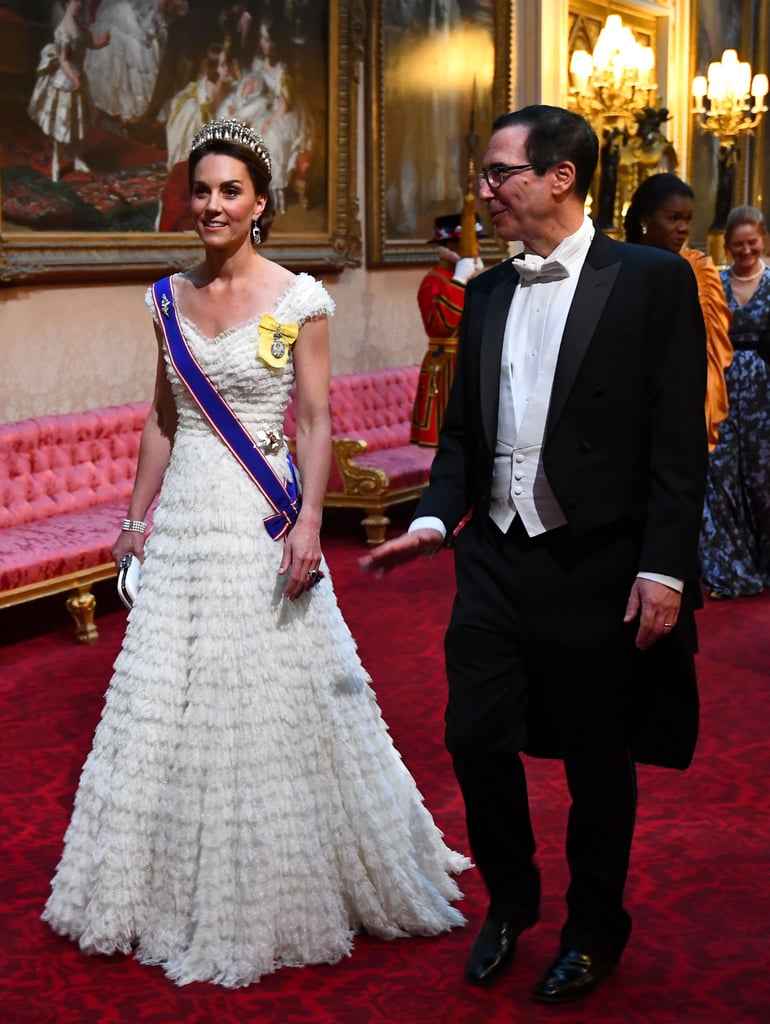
x=569 y=477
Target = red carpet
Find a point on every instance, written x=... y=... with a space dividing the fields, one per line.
x=698 y=888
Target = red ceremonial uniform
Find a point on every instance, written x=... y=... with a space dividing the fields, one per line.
x=441 y=304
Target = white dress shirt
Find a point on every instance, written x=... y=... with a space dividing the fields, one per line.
x=536 y=320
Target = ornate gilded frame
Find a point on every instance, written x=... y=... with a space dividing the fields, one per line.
x=384 y=247
x=54 y=256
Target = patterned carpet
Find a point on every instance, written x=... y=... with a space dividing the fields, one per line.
x=698 y=888
x=120 y=192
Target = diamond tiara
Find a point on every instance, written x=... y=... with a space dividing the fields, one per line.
x=227 y=129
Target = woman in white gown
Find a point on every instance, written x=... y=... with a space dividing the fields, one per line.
x=123 y=77
x=243 y=807
x=61 y=103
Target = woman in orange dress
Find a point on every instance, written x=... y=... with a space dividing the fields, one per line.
x=660 y=214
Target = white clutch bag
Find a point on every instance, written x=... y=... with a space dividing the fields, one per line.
x=128 y=579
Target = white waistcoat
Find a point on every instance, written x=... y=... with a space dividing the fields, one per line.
x=533 y=333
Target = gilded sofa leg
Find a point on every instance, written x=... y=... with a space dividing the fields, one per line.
x=81 y=607
x=375 y=525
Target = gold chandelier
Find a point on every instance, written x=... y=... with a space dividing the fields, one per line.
x=728 y=101
x=615 y=83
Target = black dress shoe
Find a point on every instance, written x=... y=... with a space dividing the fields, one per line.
x=492 y=952
x=571 y=975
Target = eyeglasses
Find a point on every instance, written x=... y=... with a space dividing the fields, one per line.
x=496 y=175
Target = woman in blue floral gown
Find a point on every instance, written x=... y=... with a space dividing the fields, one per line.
x=735 y=542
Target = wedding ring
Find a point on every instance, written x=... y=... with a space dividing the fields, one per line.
x=312 y=574
x=668 y=625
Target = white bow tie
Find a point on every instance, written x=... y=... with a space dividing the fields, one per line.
x=534 y=268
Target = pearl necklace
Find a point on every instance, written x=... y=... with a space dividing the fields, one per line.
x=751 y=277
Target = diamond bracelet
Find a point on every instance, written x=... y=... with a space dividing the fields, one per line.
x=134 y=526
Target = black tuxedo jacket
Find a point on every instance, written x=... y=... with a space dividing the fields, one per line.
x=625 y=442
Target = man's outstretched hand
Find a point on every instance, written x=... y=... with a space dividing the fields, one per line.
x=400 y=550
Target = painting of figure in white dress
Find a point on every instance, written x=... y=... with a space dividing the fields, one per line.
x=123 y=77
x=61 y=104
x=101 y=99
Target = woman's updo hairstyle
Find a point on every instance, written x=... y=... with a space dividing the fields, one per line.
x=740 y=215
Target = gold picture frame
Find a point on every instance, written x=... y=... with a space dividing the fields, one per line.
x=330 y=241
x=429 y=87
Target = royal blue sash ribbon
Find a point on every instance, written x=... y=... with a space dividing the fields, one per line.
x=283 y=497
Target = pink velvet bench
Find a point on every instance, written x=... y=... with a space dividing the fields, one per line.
x=374 y=464
x=65 y=482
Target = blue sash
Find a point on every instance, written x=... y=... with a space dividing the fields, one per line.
x=283 y=497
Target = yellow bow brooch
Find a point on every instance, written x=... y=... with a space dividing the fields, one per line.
x=275 y=340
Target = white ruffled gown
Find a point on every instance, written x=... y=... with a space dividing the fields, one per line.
x=122 y=75
x=243 y=806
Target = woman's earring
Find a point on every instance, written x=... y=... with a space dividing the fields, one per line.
x=256 y=234
x=644 y=229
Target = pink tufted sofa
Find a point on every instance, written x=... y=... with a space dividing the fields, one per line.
x=65 y=482
x=374 y=464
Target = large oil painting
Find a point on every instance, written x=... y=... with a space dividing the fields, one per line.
x=101 y=99
x=438 y=75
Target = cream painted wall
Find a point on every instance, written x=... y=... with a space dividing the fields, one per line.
x=68 y=348
x=377 y=321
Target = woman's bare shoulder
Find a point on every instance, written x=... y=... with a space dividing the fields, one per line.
x=270 y=272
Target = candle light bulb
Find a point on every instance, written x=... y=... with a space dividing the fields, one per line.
x=759 y=87
x=699 y=87
x=729 y=59
x=581 y=66
x=716 y=82
x=741 y=81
